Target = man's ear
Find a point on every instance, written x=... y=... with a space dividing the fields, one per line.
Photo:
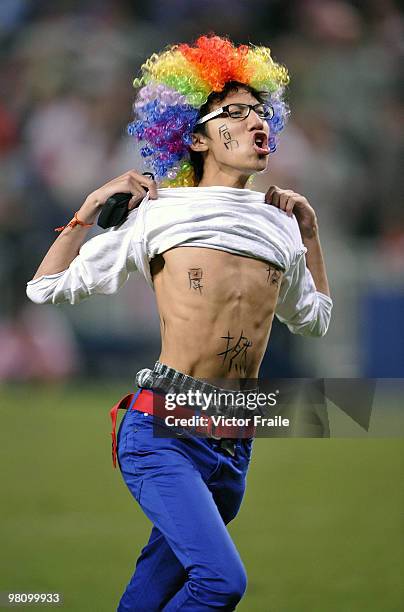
x=199 y=142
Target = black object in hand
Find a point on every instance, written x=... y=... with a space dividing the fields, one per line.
x=115 y=209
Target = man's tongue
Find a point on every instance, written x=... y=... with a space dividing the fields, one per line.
x=261 y=148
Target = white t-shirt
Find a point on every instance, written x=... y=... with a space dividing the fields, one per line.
x=224 y=218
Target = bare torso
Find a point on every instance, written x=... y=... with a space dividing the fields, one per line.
x=216 y=311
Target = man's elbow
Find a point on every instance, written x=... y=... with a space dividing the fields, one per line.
x=313 y=329
x=320 y=323
x=37 y=296
x=51 y=289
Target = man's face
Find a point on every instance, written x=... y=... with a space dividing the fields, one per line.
x=237 y=145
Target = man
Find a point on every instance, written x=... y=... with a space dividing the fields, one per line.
x=222 y=261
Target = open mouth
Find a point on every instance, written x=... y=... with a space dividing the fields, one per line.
x=260 y=143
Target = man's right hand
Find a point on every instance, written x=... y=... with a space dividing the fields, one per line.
x=130 y=182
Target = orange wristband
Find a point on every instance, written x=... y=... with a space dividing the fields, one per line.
x=75 y=221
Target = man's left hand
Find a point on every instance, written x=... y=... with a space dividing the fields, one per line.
x=296 y=204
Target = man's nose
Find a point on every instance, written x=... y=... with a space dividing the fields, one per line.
x=255 y=122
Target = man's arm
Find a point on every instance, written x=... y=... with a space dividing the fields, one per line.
x=315 y=261
x=304 y=302
x=66 y=247
x=294 y=203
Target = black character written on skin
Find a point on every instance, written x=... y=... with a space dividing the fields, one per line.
x=273 y=275
x=236 y=352
x=225 y=135
x=195 y=279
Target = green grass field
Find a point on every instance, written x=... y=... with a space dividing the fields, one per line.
x=320 y=530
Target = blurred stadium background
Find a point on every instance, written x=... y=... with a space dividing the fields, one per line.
x=321 y=528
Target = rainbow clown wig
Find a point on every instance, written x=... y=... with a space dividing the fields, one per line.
x=175 y=84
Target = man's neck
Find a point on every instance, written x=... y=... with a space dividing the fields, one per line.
x=223 y=179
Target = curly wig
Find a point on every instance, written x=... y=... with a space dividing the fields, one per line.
x=173 y=86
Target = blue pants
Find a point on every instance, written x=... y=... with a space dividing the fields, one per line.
x=189 y=488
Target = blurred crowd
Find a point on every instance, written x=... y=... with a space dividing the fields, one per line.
x=66 y=70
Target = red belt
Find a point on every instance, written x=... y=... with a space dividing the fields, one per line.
x=153 y=404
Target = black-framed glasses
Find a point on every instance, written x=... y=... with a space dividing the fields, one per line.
x=240 y=111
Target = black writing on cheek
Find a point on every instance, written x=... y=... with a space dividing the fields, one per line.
x=236 y=352
x=273 y=275
x=195 y=279
x=225 y=135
